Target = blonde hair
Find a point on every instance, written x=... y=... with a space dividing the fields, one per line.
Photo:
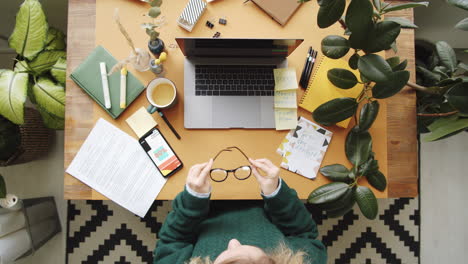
x=280 y=255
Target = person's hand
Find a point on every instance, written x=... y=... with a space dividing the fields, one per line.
x=269 y=182
x=198 y=178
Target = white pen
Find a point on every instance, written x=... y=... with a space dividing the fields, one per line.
x=105 y=85
x=123 y=87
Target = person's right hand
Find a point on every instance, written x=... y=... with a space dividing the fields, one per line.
x=198 y=178
x=269 y=182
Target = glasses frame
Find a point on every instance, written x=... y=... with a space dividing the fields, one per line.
x=233 y=170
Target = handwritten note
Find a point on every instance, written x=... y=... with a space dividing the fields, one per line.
x=285 y=99
x=285 y=118
x=285 y=79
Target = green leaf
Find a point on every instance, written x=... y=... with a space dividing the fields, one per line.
x=55 y=40
x=394 y=47
x=392 y=86
x=369 y=167
x=382 y=37
x=377 y=180
x=329 y=12
x=353 y=61
x=51 y=121
x=148 y=26
x=358 y=15
x=154 y=12
x=377 y=4
x=335 y=172
x=358 y=146
x=368 y=115
x=374 y=68
x=446 y=55
x=327 y=193
x=22 y=67
x=334 y=46
x=50 y=96
x=462 y=67
x=445 y=126
x=30 y=33
x=335 y=110
x=45 y=61
x=342 y=78
x=3 y=192
x=392 y=8
x=404 y=23
x=340 y=206
x=360 y=39
x=13 y=90
x=59 y=69
x=393 y=61
x=401 y=66
x=367 y=202
x=457 y=96
x=157 y=3
x=463 y=4
x=427 y=75
x=463 y=24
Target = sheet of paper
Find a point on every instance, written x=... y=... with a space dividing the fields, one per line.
x=114 y=164
x=285 y=79
x=285 y=99
x=141 y=122
x=285 y=118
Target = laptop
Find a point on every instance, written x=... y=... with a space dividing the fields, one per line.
x=229 y=83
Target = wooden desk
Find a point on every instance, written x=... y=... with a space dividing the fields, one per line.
x=199 y=145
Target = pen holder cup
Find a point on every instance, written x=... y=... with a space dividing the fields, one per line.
x=161 y=93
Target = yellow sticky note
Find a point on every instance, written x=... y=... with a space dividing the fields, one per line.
x=141 y=122
x=285 y=118
x=285 y=79
x=285 y=99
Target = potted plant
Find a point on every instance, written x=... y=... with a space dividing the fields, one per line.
x=155 y=44
x=38 y=74
x=368 y=33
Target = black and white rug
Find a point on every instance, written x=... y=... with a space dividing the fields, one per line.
x=103 y=232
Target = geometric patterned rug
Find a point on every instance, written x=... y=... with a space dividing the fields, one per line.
x=103 y=232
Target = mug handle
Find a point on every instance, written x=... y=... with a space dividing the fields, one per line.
x=151 y=109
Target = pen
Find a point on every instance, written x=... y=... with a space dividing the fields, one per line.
x=105 y=85
x=169 y=124
x=304 y=70
x=123 y=87
x=311 y=67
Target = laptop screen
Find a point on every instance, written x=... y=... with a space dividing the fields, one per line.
x=214 y=47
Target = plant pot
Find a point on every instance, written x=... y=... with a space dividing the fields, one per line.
x=34 y=142
x=156 y=47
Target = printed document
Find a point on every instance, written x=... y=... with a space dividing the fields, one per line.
x=114 y=164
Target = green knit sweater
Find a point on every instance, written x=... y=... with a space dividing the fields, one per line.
x=192 y=230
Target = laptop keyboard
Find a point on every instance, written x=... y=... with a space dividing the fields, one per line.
x=238 y=80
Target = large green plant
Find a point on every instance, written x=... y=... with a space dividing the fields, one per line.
x=39 y=71
x=368 y=32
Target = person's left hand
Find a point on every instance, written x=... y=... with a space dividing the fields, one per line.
x=198 y=178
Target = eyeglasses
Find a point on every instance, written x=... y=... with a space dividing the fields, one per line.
x=241 y=173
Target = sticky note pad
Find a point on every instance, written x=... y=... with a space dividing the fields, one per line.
x=285 y=118
x=285 y=99
x=141 y=122
x=285 y=79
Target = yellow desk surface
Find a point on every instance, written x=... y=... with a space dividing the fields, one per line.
x=91 y=23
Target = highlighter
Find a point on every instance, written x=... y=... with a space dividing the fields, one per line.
x=123 y=87
x=105 y=85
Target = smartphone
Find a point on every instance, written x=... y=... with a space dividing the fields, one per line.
x=159 y=151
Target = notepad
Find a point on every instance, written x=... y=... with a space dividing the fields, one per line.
x=141 y=122
x=87 y=76
x=285 y=101
x=303 y=148
x=321 y=90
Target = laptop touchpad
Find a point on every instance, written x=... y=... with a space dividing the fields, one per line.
x=236 y=111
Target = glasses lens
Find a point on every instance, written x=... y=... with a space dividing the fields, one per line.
x=242 y=172
x=218 y=175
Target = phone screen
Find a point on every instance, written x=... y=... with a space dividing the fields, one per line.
x=160 y=152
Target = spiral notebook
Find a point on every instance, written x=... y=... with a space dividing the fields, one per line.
x=321 y=90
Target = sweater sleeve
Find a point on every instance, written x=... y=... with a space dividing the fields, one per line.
x=291 y=217
x=177 y=235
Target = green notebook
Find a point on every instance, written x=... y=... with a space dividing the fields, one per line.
x=88 y=76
